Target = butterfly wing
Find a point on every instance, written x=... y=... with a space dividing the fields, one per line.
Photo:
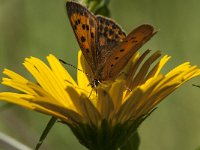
x=84 y=25
x=123 y=52
x=109 y=34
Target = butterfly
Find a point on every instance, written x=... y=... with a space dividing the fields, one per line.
x=105 y=46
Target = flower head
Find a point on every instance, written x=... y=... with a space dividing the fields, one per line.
x=113 y=112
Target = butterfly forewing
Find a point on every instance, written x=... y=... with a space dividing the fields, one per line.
x=122 y=53
x=84 y=25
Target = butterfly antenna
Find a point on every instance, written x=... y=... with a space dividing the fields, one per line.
x=64 y=62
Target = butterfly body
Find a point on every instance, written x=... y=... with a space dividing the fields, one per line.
x=105 y=46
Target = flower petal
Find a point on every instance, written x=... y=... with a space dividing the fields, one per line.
x=48 y=80
x=60 y=72
x=123 y=113
x=116 y=91
x=105 y=104
x=84 y=106
x=84 y=75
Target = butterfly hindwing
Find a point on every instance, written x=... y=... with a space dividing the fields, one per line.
x=122 y=53
x=109 y=34
x=84 y=25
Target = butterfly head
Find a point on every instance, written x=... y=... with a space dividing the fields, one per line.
x=94 y=83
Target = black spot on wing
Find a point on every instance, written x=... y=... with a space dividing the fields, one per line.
x=77 y=22
x=134 y=41
x=83 y=26
x=111 y=32
x=83 y=39
x=87 y=50
x=114 y=26
x=87 y=27
x=116 y=58
x=92 y=35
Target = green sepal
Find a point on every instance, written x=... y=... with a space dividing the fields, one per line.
x=105 y=136
x=132 y=143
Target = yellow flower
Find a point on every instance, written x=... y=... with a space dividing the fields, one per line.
x=114 y=110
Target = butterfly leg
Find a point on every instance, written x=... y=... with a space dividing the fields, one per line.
x=90 y=92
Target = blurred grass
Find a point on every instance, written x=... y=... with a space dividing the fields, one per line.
x=37 y=28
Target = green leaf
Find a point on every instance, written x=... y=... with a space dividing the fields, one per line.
x=98 y=6
x=103 y=11
x=132 y=143
x=45 y=132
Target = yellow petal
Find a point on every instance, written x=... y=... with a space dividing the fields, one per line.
x=84 y=106
x=105 y=104
x=48 y=80
x=123 y=113
x=63 y=113
x=60 y=72
x=116 y=92
x=18 y=99
x=156 y=70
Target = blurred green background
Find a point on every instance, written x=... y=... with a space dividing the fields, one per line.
x=38 y=28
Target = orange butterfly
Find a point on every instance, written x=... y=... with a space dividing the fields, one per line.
x=103 y=43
